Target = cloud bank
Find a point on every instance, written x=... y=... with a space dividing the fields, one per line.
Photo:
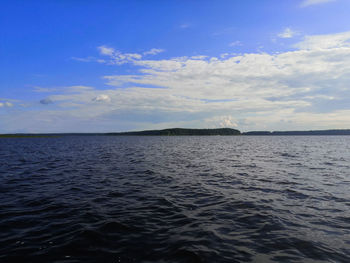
x=304 y=88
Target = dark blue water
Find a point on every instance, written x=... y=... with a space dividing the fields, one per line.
x=175 y=199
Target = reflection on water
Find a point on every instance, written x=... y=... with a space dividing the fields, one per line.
x=175 y=199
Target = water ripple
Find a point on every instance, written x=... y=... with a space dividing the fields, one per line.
x=175 y=199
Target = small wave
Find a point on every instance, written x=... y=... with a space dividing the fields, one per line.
x=188 y=199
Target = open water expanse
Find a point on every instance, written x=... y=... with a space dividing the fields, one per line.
x=175 y=199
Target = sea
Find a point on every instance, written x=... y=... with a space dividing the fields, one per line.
x=175 y=199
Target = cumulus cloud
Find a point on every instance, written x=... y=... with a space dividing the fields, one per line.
x=330 y=41
x=228 y=122
x=287 y=33
x=221 y=121
x=305 y=88
x=255 y=83
x=102 y=98
x=306 y=3
x=46 y=101
x=108 y=51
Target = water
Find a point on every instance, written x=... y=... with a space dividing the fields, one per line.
x=175 y=199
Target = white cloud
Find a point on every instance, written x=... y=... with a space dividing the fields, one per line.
x=200 y=57
x=221 y=121
x=107 y=51
x=306 y=3
x=256 y=83
x=102 y=98
x=307 y=88
x=117 y=57
x=287 y=33
x=331 y=41
x=153 y=51
x=228 y=122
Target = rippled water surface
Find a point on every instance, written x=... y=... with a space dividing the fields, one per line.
x=175 y=199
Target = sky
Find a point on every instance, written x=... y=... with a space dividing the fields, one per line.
x=108 y=66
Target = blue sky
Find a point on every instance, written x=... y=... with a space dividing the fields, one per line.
x=100 y=66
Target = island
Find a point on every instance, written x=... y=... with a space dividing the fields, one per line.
x=181 y=132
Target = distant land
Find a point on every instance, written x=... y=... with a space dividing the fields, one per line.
x=294 y=133
x=185 y=132
x=182 y=131
x=228 y=131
